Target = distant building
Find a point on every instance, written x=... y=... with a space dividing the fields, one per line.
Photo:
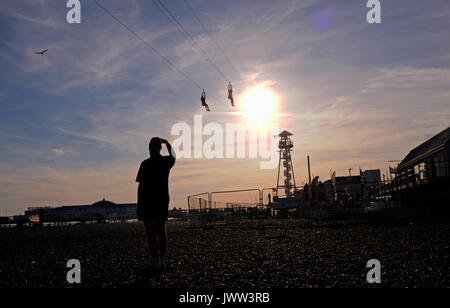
x=372 y=176
x=4 y=220
x=428 y=160
x=355 y=186
x=99 y=211
x=348 y=184
x=423 y=176
x=344 y=184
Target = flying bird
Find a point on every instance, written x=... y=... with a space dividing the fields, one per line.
x=41 y=52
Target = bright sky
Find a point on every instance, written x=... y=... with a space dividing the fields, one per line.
x=75 y=123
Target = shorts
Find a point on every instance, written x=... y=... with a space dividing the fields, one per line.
x=154 y=214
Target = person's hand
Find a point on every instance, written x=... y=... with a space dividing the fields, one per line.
x=169 y=147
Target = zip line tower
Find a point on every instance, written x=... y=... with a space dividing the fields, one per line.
x=285 y=146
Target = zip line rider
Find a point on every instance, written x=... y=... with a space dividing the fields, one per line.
x=203 y=99
x=230 y=93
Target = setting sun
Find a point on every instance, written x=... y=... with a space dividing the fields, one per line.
x=258 y=104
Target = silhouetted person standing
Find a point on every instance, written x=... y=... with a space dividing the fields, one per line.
x=153 y=199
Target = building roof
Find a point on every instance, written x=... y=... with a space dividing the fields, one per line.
x=103 y=203
x=285 y=133
x=427 y=147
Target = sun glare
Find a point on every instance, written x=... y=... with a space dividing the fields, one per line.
x=258 y=104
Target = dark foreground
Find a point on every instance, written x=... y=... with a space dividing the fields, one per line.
x=287 y=254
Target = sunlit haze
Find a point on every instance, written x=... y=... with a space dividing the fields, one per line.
x=258 y=104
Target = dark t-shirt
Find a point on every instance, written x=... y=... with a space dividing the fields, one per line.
x=153 y=190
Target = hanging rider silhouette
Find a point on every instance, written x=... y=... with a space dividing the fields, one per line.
x=230 y=93
x=203 y=99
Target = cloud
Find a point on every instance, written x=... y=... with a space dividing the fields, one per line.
x=36 y=12
x=62 y=152
x=407 y=78
x=76 y=123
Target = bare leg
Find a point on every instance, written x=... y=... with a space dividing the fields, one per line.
x=151 y=230
x=162 y=239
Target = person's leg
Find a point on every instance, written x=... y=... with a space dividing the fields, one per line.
x=152 y=240
x=161 y=231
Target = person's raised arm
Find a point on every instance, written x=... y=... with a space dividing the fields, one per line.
x=172 y=155
x=169 y=148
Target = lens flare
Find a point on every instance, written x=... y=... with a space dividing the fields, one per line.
x=258 y=104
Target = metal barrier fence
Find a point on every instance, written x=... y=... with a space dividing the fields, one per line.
x=206 y=213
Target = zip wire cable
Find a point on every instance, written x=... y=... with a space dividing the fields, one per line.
x=149 y=46
x=212 y=38
x=166 y=12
